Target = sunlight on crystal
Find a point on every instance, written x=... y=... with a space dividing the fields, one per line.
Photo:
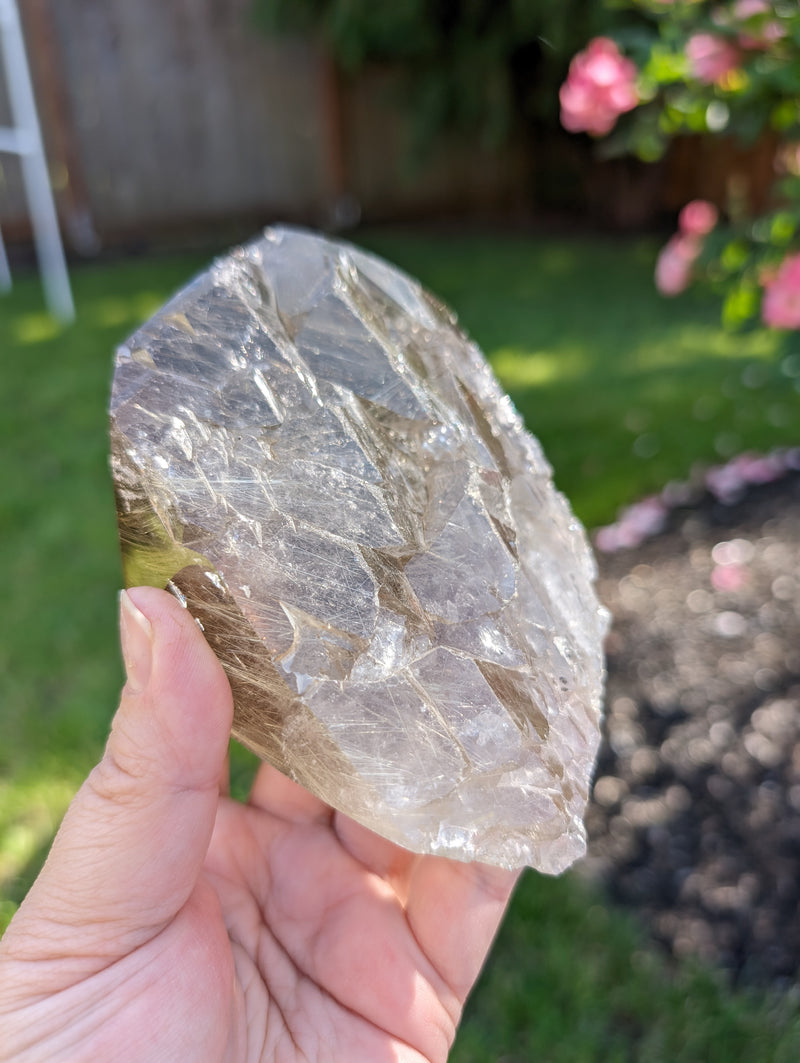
x=322 y=467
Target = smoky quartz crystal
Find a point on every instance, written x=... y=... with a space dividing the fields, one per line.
x=309 y=452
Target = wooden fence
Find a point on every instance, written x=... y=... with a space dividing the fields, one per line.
x=170 y=114
x=177 y=115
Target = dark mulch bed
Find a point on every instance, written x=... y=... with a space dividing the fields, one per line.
x=695 y=821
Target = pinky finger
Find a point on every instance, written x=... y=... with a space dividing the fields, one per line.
x=454 y=910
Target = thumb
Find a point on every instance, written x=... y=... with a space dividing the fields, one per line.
x=132 y=844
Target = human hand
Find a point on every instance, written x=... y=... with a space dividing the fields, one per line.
x=172 y=923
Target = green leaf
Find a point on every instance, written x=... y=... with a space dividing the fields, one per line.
x=665 y=66
x=741 y=303
x=734 y=256
x=783 y=228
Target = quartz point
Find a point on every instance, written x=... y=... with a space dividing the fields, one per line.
x=311 y=454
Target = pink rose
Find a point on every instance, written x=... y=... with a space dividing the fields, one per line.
x=781 y=305
x=599 y=88
x=674 y=264
x=744 y=9
x=711 y=58
x=698 y=218
x=768 y=32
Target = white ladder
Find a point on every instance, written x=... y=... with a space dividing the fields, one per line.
x=24 y=138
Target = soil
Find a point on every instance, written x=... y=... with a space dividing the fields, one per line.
x=695 y=819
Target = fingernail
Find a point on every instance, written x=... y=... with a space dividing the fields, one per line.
x=136 y=635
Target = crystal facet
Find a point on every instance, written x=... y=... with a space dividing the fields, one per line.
x=313 y=456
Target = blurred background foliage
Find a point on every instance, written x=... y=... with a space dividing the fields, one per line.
x=489 y=69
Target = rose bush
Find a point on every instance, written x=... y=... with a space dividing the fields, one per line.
x=711 y=68
x=600 y=87
x=781 y=307
x=711 y=58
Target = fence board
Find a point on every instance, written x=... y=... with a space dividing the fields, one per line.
x=183 y=110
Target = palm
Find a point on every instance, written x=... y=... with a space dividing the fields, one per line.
x=172 y=923
x=344 y=946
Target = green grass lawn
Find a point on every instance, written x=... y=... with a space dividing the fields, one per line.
x=625 y=390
